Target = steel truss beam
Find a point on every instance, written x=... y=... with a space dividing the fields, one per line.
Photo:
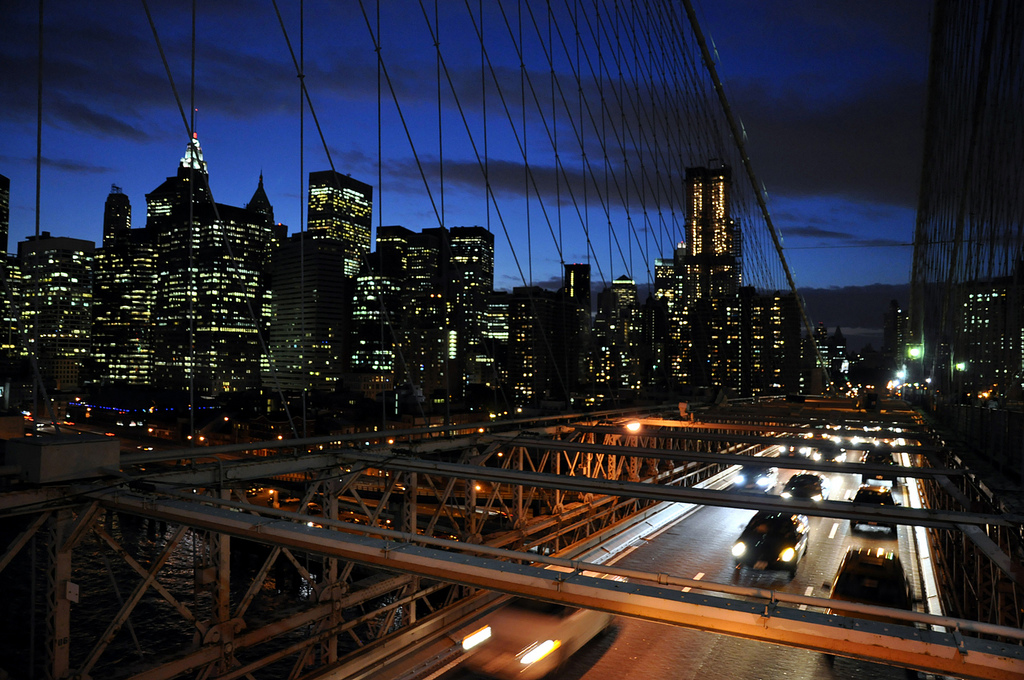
x=926 y=650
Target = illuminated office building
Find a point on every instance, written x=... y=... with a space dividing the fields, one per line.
x=616 y=365
x=312 y=299
x=496 y=336
x=341 y=209
x=57 y=307
x=445 y=278
x=211 y=298
x=124 y=282
x=576 y=282
x=990 y=364
x=710 y=262
x=375 y=320
x=538 y=346
x=469 y=277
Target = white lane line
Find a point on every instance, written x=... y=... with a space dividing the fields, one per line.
x=659 y=532
x=622 y=554
x=835 y=528
x=808 y=592
x=699 y=576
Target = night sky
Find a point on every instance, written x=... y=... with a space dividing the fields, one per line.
x=831 y=96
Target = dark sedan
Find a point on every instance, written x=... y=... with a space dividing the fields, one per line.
x=806 y=486
x=755 y=478
x=873 y=496
x=772 y=541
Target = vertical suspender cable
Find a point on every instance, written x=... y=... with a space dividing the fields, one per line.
x=380 y=223
x=35 y=317
x=526 y=161
x=305 y=346
x=446 y=248
x=191 y=241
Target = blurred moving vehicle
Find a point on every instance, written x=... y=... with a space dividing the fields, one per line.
x=530 y=639
x=878 y=457
x=806 y=486
x=828 y=450
x=756 y=478
x=872 y=576
x=772 y=541
x=874 y=496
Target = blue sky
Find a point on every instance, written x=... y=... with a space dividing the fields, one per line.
x=831 y=96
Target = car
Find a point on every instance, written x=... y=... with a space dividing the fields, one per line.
x=878 y=457
x=806 y=486
x=829 y=451
x=530 y=639
x=873 y=496
x=756 y=478
x=872 y=576
x=772 y=541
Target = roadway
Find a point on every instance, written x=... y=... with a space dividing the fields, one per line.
x=698 y=546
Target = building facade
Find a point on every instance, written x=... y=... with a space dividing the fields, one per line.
x=57 y=306
x=340 y=209
x=210 y=305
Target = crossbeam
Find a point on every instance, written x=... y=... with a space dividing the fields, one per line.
x=927 y=650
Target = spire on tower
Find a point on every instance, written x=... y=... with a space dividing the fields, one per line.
x=194 y=155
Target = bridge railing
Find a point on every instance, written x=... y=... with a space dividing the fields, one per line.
x=996 y=436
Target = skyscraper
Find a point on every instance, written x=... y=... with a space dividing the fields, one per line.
x=57 y=312
x=616 y=338
x=470 y=280
x=312 y=302
x=711 y=259
x=212 y=262
x=576 y=281
x=124 y=282
x=341 y=209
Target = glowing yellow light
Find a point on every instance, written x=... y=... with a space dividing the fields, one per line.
x=540 y=651
x=633 y=426
x=476 y=637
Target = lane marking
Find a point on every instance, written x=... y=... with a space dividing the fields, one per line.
x=622 y=554
x=835 y=528
x=659 y=532
x=808 y=592
x=699 y=576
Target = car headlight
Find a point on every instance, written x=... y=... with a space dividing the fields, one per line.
x=539 y=651
x=787 y=555
x=739 y=479
x=738 y=549
x=476 y=637
x=786 y=494
x=763 y=481
x=816 y=497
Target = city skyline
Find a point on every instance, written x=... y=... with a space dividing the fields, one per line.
x=97 y=136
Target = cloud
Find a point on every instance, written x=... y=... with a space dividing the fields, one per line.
x=818 y=232
x=74 y=166
x=857 y=310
